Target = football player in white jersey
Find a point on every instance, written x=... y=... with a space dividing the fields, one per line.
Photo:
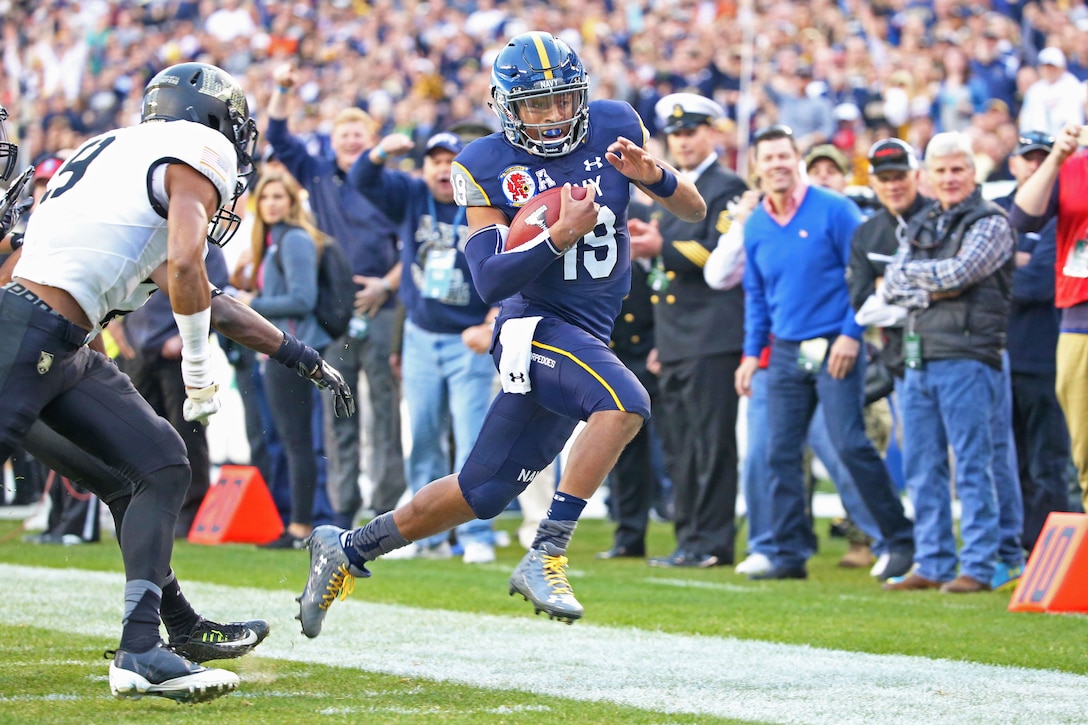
x=130 y=211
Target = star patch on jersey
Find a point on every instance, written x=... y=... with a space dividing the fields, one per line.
x=517 y=184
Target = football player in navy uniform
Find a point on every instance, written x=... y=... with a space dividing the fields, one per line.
x=559 y=297
x=129 y=212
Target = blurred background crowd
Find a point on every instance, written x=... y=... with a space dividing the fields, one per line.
x=846 y=73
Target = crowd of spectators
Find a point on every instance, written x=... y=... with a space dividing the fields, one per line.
x=843 y=73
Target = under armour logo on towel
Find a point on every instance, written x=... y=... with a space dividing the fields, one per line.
x=517 y=377
x=45 y=361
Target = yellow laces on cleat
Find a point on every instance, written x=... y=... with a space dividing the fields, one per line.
x=554 y=574
x=341 y=584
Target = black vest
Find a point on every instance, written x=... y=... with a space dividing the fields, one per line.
x=973 y=324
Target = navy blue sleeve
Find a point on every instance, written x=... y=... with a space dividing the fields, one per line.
x=1034 y=282
x=291 y=151
x=499 y=275
x=1021 y=221
x=386 y=189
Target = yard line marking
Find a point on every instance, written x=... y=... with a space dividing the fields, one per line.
x=654 y=671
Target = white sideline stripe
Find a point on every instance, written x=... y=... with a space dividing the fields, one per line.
x=649 y=670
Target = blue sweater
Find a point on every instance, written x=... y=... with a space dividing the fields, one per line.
x=407 y=201
x=795 y=277
x=365 y=233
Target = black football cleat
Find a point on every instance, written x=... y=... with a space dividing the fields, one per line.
x=213 y=641
x=163 y=673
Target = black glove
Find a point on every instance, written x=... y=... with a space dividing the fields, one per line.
x=327 y=377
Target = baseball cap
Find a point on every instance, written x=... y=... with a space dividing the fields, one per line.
x=678 y=111
x=445 y=141
x=827 y=151
x=1033 y=141
x=1052 y=56
x=891 y=154
x=44 y=170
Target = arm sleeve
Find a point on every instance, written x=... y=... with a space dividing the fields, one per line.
x=498 y=274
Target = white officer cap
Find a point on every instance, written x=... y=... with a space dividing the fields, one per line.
x=686 y=110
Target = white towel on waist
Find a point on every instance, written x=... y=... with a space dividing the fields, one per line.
x=516 y=337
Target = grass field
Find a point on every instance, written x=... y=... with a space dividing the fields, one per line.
x=426 y=641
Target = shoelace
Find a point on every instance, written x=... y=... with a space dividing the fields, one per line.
x=554 y=575
x=341 y=584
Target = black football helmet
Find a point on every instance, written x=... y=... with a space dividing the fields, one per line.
x=207 y=95
x=9 y=152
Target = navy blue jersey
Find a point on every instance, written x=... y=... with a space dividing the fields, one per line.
x=586 y=285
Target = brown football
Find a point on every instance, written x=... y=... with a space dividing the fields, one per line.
x=538 y=214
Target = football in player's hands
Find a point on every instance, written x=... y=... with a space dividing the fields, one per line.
x=538 y=215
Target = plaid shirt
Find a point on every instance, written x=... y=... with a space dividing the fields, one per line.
x=986 y=246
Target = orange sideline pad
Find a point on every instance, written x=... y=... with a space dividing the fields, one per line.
x=1056 y=576
x=237 y=509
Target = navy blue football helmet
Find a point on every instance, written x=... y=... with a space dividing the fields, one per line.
x=535 y=68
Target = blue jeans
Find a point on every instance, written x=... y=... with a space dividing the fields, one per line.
x=756 y=474
x=447 y=387
x=1010 y=501
x=951 y=402
x=819 y=439
x=793 y=394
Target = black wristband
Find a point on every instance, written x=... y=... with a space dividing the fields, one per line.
x=16 y=241
x=294 y=353
x=290 y=352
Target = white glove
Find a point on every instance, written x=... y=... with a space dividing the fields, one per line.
x=200 y=403
x=878 y=311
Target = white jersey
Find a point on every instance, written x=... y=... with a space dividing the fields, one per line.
x=100 y=231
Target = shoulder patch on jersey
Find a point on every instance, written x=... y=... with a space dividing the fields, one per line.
x=518 y=184
x=213 y=161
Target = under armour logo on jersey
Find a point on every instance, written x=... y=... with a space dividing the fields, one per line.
x=596 y=163
x=45 y=361
x=517 y=377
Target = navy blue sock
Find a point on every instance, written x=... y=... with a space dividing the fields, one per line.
x=566 y=507
x=377 y=537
